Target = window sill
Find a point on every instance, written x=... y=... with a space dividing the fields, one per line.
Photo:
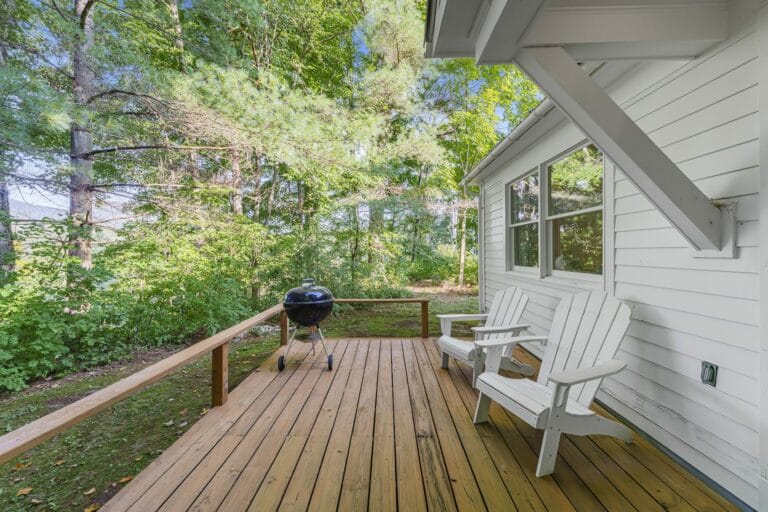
x=567 y=281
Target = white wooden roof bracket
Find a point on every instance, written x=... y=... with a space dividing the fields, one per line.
x=708 y=226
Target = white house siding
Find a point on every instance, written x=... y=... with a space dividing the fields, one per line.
x=703 y=114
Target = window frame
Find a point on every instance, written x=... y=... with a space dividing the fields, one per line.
x=545 y=268
x=510 y=226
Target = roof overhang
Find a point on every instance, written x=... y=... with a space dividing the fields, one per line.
x=492 y=31
x=550 y=39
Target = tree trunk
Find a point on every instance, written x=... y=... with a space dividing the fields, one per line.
x=237 y=184
x=355 y=244
x=375 y=230
x=81 y=141
x=271 y=197
x=462 y=244
x=417 y=220
x=178 y=42
x=7 y=256
x=300 y=201
x=257 y=188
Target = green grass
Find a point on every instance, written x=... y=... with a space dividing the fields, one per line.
x=124 y=439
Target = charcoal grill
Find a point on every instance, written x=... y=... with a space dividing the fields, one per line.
x=306 y=306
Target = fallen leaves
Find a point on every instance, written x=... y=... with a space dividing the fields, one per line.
x=168 y=423
x=89 y=491
x=58 y=462
x=19 y=466
x=24 y=491
x=93 y=507
x=126 y=479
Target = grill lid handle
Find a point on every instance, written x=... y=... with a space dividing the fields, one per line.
x=308 y=282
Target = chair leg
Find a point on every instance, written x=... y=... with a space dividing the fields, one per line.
x=481 y=411
x=477 y=369
x=444 y=363
x=548 y=452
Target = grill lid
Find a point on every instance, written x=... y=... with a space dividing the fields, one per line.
x=308 y=293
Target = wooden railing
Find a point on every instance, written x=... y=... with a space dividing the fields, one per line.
x=424 y=308
x=34 y=433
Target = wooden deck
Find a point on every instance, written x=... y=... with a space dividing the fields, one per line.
x=388 y=429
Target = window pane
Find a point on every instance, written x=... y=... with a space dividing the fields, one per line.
x=526 y=245
x=576 y=181
x=525 y=199
x=577 y=243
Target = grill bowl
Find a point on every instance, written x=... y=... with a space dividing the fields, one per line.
x=308 y=305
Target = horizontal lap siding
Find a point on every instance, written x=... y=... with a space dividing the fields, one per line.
x=703 y=115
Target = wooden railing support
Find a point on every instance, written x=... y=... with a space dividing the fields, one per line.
x=283 y=328
x=425 y=319
x=220 y=375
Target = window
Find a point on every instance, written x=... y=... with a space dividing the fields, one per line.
x=524 y=220
x=576 y=211
x=571 y=222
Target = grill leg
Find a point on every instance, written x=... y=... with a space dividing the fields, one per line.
x=322 y=342
x=290 y=342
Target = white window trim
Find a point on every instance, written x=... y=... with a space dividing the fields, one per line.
x=544 y=271
x=510 y=226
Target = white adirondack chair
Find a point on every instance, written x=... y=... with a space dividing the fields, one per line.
x=502 y=319
x=585 y=335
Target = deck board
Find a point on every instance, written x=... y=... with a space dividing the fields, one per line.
x=389 y=429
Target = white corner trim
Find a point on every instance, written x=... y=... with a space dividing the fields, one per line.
x=762 y=52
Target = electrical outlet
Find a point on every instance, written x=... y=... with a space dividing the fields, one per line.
x=709 y=373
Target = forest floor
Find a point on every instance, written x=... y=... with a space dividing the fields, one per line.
x=83 y=467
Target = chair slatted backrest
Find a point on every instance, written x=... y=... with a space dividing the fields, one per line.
x=506 y=309
x=586 y=330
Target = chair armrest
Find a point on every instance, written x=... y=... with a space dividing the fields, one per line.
x=458 y=317
x=579 y=375
x=447 y=320
x=494 y=329
x=499 y=342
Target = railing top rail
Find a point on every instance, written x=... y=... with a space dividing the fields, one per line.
x=30 y=435
x=370 y=301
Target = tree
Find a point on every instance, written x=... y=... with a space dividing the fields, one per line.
x=229 y=137
x=479 y=104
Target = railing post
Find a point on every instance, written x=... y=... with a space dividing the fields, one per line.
x=283 y=328
x=425 y=319
x=220 y=375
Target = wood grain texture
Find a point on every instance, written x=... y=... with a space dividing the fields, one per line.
x=220 y=375
x=389 y=429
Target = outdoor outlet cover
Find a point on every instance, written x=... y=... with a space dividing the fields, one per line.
x=708 y=373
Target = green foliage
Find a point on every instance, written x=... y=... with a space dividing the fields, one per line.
x=248 y=144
